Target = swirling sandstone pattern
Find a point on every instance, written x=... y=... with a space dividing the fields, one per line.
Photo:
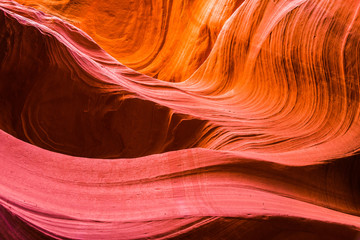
x=179 y=119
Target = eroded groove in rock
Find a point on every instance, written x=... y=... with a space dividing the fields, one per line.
x=257 y=136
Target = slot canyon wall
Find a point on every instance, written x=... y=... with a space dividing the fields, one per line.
x=186 y=119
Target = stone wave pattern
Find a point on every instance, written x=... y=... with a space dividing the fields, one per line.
x=201 y=119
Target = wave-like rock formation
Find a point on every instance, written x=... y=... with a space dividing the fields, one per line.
x=179 y=119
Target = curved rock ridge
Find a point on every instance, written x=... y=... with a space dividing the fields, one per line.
x=100 y=92
x=166 y=39
x=256 y=139
x=167 y=195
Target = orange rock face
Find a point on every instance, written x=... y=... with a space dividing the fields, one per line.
x=179 y=119
x=168 y=40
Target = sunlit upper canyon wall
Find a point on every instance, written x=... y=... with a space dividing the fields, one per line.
x=168 y=40
x=179 y=119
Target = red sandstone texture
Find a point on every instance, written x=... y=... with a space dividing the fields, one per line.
x=179 y=119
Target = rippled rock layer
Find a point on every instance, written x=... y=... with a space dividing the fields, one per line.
x=180 y=119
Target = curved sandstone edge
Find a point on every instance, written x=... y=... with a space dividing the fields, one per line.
x=166 y=39
x=224 y=228
x=242 y=137
x=159 y=195
x=70 y=83
x=51 y=101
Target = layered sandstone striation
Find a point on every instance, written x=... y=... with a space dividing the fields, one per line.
x=179 y=119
